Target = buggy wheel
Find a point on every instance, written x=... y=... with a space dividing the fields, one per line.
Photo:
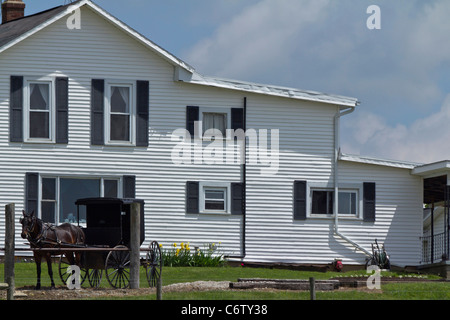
x=371 y=262
x=64 y=263
x=153 y=264
x=117 y=268
x=95 y=277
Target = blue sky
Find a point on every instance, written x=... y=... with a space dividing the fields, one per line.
x=400 y=73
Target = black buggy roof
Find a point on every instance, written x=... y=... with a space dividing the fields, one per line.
x=123 y=201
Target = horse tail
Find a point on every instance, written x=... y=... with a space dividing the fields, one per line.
x=80 y=236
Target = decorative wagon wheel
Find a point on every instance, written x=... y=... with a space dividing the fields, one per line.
x=64 y=275
x=95 y=277
x=117 y=268
x=153 y=264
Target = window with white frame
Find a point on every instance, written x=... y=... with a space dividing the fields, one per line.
x=58 y=196
x=214 y=197
x=120 y=110
x=215 y=121
x=348 y=202
x=39 y=113
x=322 y=202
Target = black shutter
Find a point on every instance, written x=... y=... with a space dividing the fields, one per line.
x=143 y=100
x=129 y=187
x=62 y=110
x=369 y=201
x=237 y=119
x=192 y=197
x=31 y=192
x=300 y=200
x=237 y=198
x=16 y=109
x=97 y=112
x=192 y=115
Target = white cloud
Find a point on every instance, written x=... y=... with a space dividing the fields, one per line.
x=261 y=36
x=425 y=140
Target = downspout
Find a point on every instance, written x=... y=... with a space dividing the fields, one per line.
x=337 y=118
x=244 y=181
x=244 y=195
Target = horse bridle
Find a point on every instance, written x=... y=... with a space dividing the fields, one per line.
x=30 y=229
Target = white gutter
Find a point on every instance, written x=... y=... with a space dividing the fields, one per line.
x=337 y=118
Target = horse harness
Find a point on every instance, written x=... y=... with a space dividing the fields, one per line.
x=42 y=238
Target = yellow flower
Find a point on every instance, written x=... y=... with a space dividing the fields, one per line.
x=160 y=245
x=182 y=245
x=174 y=245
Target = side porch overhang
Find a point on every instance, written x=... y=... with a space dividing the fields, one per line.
x=436 y=193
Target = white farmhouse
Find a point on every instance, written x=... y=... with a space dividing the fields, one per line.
x=91 y=108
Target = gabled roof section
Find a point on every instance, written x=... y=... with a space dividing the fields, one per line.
x=12 y=32
x=18 y=30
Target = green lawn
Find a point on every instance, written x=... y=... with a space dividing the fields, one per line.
x=26 y=277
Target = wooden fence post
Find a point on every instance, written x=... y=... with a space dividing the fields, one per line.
x=9 y=249
x=312 y=288
x=135 y=236
x=159 y=289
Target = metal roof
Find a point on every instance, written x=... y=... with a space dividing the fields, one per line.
x=274 y=90
x=380 y=162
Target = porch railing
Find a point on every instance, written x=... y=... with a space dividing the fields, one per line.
x=434 y=248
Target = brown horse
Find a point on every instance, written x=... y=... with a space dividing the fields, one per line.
x=45 y=235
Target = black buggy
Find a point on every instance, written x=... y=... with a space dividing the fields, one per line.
x=107 y=242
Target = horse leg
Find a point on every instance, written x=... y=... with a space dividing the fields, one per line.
x=50 y=270
x=37 y=260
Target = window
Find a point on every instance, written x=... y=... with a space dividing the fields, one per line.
x=39 y=111
x=48 y=203
x=120 y=113
x=322 y=202
x=215 y=121
x=215 y=199
x=347 y=202
x=58 y=196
